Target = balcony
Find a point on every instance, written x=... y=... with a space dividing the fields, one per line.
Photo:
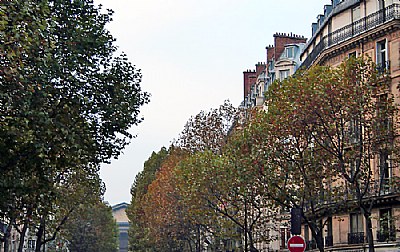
x=356 y=28
x=386 y=235
x=356 y=238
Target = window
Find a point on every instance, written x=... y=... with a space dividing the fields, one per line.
x=385 y=171
x=356 y=234
x=285 y=235
x=289 y=52
x=353 y=54
x=386 y=230
x=381 y=56
x=283 y=74
x=355 y=13
x=354 y=131
x=356 y=223
x=384 y=122
x=31 y=244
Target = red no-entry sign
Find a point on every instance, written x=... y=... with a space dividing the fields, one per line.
x=296 y=244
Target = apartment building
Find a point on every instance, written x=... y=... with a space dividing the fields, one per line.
x=282 y=61
x=354 y=28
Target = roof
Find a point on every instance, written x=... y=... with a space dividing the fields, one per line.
x=119 y=206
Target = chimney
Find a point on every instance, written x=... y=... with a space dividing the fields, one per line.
x=270 y=52
x=249 y=78
x=260 y=66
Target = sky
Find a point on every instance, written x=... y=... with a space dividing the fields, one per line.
x=192 y=54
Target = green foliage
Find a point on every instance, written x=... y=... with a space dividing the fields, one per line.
x=91 y=228
x=66 y=102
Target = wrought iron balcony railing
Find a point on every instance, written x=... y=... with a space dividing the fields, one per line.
x=386 y=235
x=356 y=28
x=356 y=238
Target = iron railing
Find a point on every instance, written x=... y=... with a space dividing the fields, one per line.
x=386 y=235
x=356 y=238
x=360 y=26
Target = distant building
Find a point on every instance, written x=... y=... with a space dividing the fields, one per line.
x=282 y=61
x=122 y=220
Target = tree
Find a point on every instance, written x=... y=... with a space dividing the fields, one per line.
x=347 y=113
x=165 y=216
x=223 y=192
x=66 y=103
x=91 y=228
x=208 y=130
x=139 y=239
x=293 y=172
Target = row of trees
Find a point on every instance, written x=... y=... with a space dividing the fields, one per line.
x=66 y=104
x=322 y=146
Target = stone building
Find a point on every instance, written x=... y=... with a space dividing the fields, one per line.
x=354 y=28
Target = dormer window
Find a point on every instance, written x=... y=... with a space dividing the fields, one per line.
x=289 y=52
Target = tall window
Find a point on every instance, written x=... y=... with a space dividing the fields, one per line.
x=385 y=171
x=285 y=235
x=354 y=131
x=381 y=56
x=356 y=235
x=356 y=223
x=386 y=230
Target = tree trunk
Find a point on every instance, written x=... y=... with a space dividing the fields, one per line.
x=40 y=235
x=320 y=241
x=22 y=237
x=251 y=242
x=245 y=227
x=24 y=229
x=370 y=236
x=317 y=235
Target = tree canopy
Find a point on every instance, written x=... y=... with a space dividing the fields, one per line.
x=67 y=101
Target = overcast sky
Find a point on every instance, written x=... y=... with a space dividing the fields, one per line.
x=192 y=54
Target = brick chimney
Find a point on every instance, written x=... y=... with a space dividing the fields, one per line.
x=260 y=66
x=270 y=52
x=249 y=78
x=282 y=39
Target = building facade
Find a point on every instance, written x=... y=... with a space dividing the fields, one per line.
x=122 y=220
x=361 y=28
x=282 y=61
